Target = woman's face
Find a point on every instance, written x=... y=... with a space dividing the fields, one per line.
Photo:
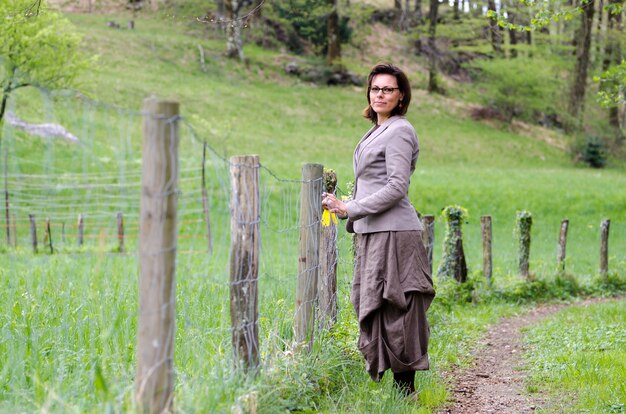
x=383 y=103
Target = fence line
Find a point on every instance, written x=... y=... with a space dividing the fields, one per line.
x=198 y=197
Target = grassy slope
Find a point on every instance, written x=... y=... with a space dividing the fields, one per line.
x=256 y=109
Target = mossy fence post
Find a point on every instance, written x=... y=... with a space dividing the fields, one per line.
x=245 y=220
x=154 y=380
x=453 y=262
x=604 y=246
x=428 y=237
x=561 y=250
x=485 y=227
x=327 y=277
x=308 y=259
x=524 y=224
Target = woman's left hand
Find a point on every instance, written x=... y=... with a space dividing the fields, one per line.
x=334 y=205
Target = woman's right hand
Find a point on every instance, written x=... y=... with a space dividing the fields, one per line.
x=334 y=205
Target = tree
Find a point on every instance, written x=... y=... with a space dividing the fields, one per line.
x=334 y=37
x=583 y=47
x=433 y=86
x=494 y=29
x=234 y=44
x=613 y=55
x=38 y=48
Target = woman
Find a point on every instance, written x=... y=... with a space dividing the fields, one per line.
x=392 y=287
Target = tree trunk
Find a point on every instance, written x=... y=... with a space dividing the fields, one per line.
x=419 y=13
x=583 y=47
x=433 y=87
x=494 y=29
x=513 y=35
x=234 y=44
x=600 y=17
x=3 y=106
x=612 y=54
x=332 y=31
x=455 y=8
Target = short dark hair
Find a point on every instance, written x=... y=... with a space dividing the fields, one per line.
x=403 y=85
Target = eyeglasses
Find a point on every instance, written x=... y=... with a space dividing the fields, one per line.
x=386 y=90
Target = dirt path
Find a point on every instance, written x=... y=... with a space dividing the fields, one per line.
x=494 y=383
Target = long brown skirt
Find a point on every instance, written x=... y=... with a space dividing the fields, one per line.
x=391 y=292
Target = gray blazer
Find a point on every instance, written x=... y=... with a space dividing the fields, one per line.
x=384 y=160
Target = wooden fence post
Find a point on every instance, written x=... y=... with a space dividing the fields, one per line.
x=308 y=261
x=561 y=250
x=524 y=224
x=120 y=232
x=81 y=230
x=33 y=232
x=205 y=203
x=47 y=238
x=485 y=226
x=154 y=380
x=428 y=237
x=244 y=258
x=327 y=277
x=6 y=200
x=604 y=246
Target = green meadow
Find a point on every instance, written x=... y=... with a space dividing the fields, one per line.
x=68 y=329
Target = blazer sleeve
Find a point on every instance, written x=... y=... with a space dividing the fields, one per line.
x=399 y=151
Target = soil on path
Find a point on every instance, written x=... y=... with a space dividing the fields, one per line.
x=494 y=383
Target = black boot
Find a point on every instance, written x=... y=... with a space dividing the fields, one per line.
x=405 y=381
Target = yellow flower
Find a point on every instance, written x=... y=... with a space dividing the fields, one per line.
x=327 y=216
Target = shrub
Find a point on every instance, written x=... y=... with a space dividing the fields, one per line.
x=594 y=152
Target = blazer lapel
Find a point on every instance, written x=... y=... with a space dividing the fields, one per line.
x=367 y=139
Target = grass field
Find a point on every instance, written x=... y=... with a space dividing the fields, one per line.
x=578 y=357
x=69 y=327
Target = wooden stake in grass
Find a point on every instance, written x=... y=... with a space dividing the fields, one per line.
x=120 y=232
x=308 y=261
x=14 y=231
x=485 y=226
x=6 y=201
x=81 y=230
x=33 y=232
x=561 y=251
x=327 y=278
x=604 y=246
x=524 y=224
x=47 y=238
x=154 y=380
x=428 y=237
x=244 y=259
